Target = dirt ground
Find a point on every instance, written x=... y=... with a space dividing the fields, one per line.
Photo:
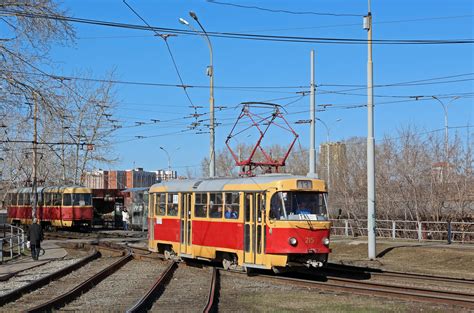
x=428 y=258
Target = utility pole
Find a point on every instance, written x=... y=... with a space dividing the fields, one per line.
x=63 y=163
x=312 y=117
x=35 y=160
x=370 y=141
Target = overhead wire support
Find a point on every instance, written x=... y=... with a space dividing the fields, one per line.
x=165 y=38
x=275 y=38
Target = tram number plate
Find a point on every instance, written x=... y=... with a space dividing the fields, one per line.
x=309 y=240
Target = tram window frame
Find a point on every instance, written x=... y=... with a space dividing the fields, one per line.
x=200 y=205
x=232 y=199
x=151 y=204
x=67 y=199
x=13 y=199
x=172 y=205
x=216 y=201
x=160 y=204
x=48 y=199
x=57 y=199
x=27 y=198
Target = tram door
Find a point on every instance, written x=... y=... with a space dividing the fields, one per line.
x=254 y=228
x=185 y=216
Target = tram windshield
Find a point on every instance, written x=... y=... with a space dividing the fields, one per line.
x=297 y=205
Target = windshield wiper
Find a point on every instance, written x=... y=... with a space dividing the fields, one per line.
x=307 y=219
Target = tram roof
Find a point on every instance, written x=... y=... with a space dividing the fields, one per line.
x=136 y=189
x=71 y=188
x=219 y=183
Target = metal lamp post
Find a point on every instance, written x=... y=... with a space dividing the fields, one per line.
x=328 y=130
x=446 y=135
x=210 y=73
x=169 y=159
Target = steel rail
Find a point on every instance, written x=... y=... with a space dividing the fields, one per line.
x=370 y=288
x=72 y=294
x=17 y=293
x=213 y=297
x=146 y=302
x=374 y=271
x=6 y=277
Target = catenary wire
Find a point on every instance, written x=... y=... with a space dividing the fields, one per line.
x=274 y=38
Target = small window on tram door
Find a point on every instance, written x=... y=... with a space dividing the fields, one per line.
x=67 y=199
x=172 y=205
x=161 y=203
x=200 y=205
x=215 y=205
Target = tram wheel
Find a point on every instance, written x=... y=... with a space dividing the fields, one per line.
x=169 y=254
x=229 y=261
x=226 y=264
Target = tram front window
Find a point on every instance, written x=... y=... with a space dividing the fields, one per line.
x=298 y=205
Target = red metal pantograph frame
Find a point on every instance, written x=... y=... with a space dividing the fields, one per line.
x=248 y=165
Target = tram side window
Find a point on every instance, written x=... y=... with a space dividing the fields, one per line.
x=81 y=199
x=57 y=199
x=67 y=199
x=215 y=205
x=232 y=205
x=13 y=199
x=160 y=204
x=172 y=206
x=20 y=198
x=48 y=199
x=28 y=198
x=200 y=205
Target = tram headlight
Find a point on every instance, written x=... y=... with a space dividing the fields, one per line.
x=292 y=241
x=326 y=241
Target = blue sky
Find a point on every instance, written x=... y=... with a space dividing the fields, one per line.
x=139 y=56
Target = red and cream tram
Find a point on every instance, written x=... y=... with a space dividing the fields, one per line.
x=61 y=206
x=271 y=221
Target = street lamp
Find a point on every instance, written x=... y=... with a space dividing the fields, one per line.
x=446 y=138
x=169 y=159
x=210 y=73
x=328 y=177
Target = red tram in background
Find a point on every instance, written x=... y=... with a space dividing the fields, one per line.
x=57 y=206
x=272 y=221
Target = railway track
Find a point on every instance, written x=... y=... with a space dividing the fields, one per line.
x=120 y=283
x=396 y=274
x=61 y=289
x=188 y=288
x=436 y=282
x=31 y=279
x=126 y=284
x=371 y=288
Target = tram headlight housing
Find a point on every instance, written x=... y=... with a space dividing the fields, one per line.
x=292 y=241
x=326 y=241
